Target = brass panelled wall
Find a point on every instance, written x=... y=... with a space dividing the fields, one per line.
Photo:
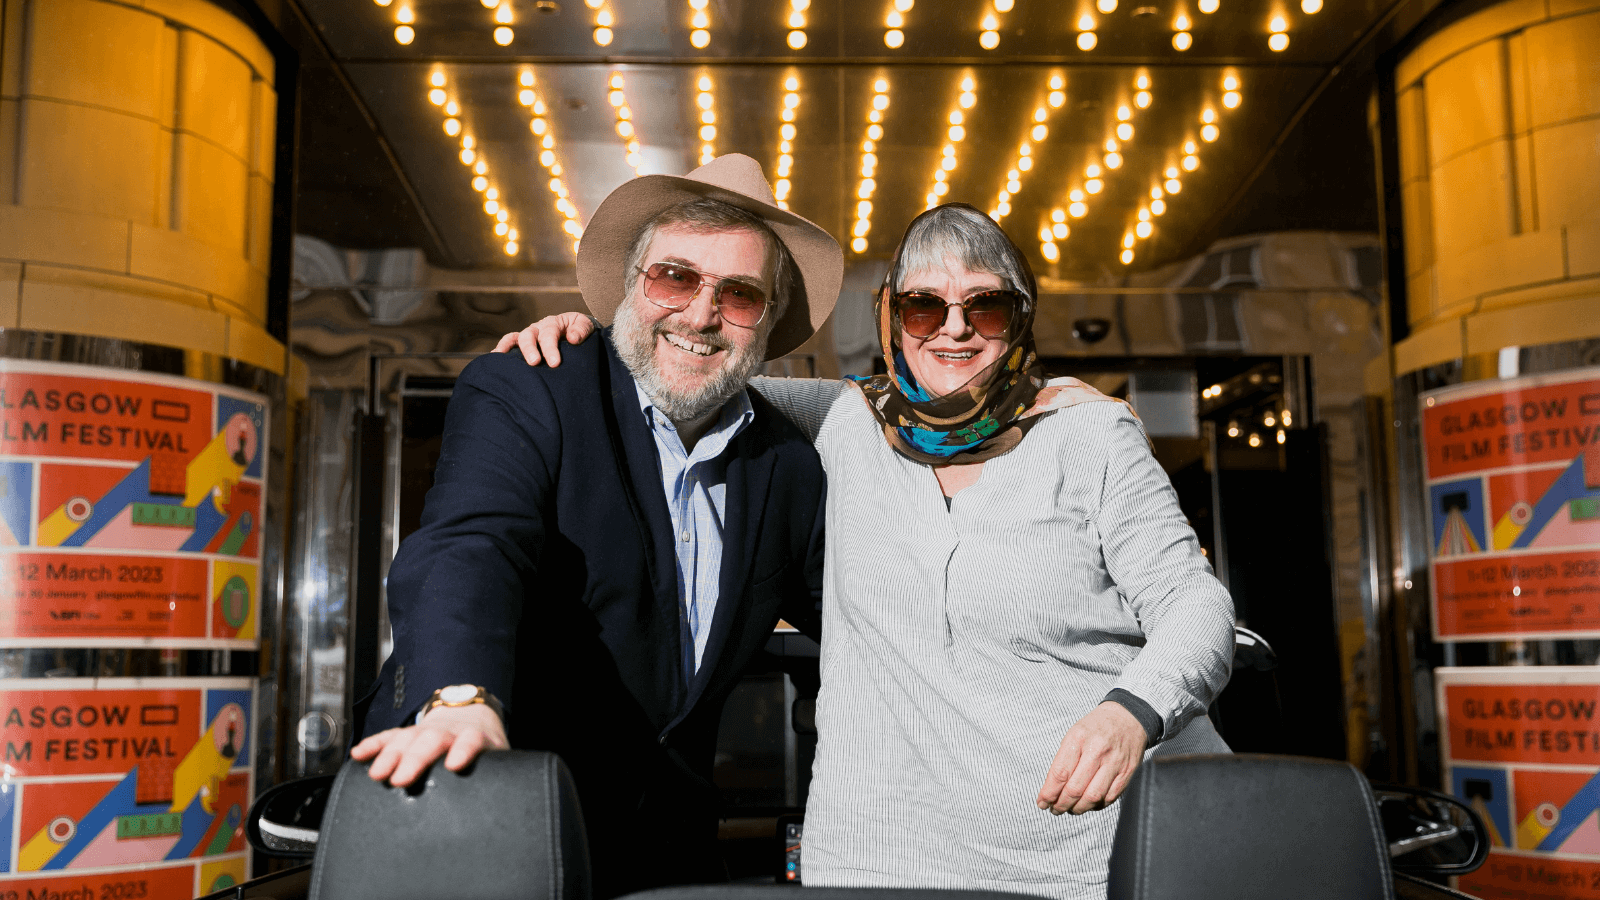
x=1498 y=123
x=136 y=160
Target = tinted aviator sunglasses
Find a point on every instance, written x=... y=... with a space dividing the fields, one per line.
x=990 y=313
x=672 y=286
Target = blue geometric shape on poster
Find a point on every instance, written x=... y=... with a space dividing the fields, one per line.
x=256 y=412
x=8 y=822
x=1569 y=487
x=1459 y=504
x=208 y=520
x=133 y=488
x=196 y=822
x=1487 y=791
x=1573 y=812
x=119 y=801
x=215 y=701
x=16 y=500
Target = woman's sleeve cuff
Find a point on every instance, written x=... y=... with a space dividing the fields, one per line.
x=1144 y=712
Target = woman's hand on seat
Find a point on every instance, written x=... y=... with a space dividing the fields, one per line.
x=542 y=339
x=1095 y=763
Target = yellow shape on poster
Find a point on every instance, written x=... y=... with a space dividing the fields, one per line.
x=212 y=467
x=37 y=851
x=1530 y=832
x=56 y=528
x=223 y=869
x=1506 y=533
x=202 y=767
x=224 y=571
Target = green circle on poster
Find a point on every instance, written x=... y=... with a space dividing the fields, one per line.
x=235 y=602
x=222 y=882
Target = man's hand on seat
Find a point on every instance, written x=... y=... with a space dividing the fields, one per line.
x=542 y=339
x=1095 y=763
x=458 y=733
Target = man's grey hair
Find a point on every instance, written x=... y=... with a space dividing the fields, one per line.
x=963 y=234
x=708 y=215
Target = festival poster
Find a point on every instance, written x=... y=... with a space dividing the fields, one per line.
x=1521 y=745
x=130 y=509
x=1513 y=481
x=124 y=787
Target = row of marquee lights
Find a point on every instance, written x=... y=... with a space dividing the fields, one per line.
x=472 y=157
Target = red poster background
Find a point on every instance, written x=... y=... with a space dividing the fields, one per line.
x=64 y=595
x=1508 y=877
x=1556 y=592
x=1523 y=723
x=96 y=732
x=169 y=883
x=1519 y=426
x=94 y=418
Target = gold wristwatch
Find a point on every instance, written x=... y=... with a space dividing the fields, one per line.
x=461 y=695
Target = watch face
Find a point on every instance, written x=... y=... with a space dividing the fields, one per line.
x=458 y=693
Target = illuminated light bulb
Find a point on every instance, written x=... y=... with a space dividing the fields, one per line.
x=538 y=126
x=1049 y=251
x=797 y=19
x=708 y=132
x=904 y=5
x=864 y=192
x=956 y=118
x=940 y=188
x=704 y=100
x=1311 y=7
x=1171 y=172
x=1075 y=195
x=492 y=194
x=1278 y=42
x=1209 y=6
x=699 y=38
x=489 y=4
x=1025 y=164
x=791 y=100
x=792 y=84
x=939 y=175
x=880 y=102
x=708 y=117
x=990 y=23
x=1269 y=419
x=797 y=40
x=1003 y=5
x=1040 y=114
x=1092 y=171
x=862 y=227
x=1087 y=40
x=1156 y=194
x=502 y=215
x=1255 y=439
x=1079 y=209
x=437 y=79
x=436 y=97
x=1113 y=160
x=1127 y=240
x=700 y=19
x=1158 y=206
x=528 y=98
x=1013 y=187
x=1039 y=132
x=1181 y=23
x=894 y=19
x=706 y=158
x=799 y=5
x=1174 y=185
x=1182 y=41
x=1086 y=22
x=468 y=142
x=874 y=132
x=881 y=86
x=557 y=188
x=1004 y=210
x=1208 y=115
x=634 y=159
x=1127 y=257
x=1190 y=163
x=1045 y=233
x=482 y=168
x=1125 y=131
x=1230 y=83
x=480 y=183
x=864 y=209
x=1144 y=214
x=1190 y=148
x=1124 y=113
x=1094 y=185
x=501 y=228
x=1277 y=24
x=405 y=16
x=452 y=127
x=875 y=115
x=625 y=128
x=957 y=132
x=1112 y=146
x=503 y=36
x=932 y=200
x=894 y=38
x=404 y=35
x=490 y=206
x=571 y=227
x=503 y=14
x=1058 y=99
x=784 y=147
x=1208 y=133
x=1106 y=6
x=1142 y=99
x=1059 y=231
x=1143 y=229
x=1057 y=215
x=1233 y=429
x=968 y=99
x=602 y=36
x=1231 y=99
x=547 y=158
x=948 y=163
x=859 y=245
x=787 y=131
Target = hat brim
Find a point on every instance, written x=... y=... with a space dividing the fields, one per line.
x=603 y=251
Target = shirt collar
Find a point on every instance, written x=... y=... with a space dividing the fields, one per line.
x=735 y=416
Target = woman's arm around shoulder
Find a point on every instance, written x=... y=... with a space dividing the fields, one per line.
x=803 y=401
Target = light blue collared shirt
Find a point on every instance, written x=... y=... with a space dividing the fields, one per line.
x=696 y=488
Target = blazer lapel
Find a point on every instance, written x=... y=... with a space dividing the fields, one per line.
x=749 y=473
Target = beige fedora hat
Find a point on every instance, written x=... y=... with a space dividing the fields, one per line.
x=734 y=179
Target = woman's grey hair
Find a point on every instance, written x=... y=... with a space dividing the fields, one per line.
x=963 y=234
x=705 y=214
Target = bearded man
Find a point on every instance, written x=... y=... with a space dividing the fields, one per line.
x=608 y=544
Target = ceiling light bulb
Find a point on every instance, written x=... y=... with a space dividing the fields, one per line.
x=948 y=163
x=859 y=245
x=1049 y=251
x=1057 y=82
x=1278 y=42
x=1143 y=229
x=482 y=168
x=1040 y=132
x=1045 y=233
x=1025 y=163
x=869 y=159
x=1155 y=194
x=1094 y=185
x=704 y=100
x=405 y=16
x=791 y=84
x=1230 y=83
x=1142 y=99
x=502 y=215
x=797 y=20
x=1124 y=113
x=1209 y=6
x=491 y=207
x=479 y=183
x=1231 y=99
x=1086 y=22
x=436 y=97
x=1058 y=215
x=955 y=117
x=404 y=35
x=1311 y=7
x=502 y=14
x=1004 y=5
x=864 y=209
x=1181 y=23
x=1144 y=214
x=602 y=37
x=1092 y=171
x=1059 y=231
x=904 y=5
x=799 y=5
x=957 y=132
x=939 y=175
x=504 y=36
x=894 y=38
x=1004 y=209
x=1142 y=82
x=1025 y=150
x=940 y=189
x=787 y=131
x=1174 y=185
x=1277 y=24
x=623 y=112
x=1126 y=257
x=1125 y=131
x=867 y=187
x=492 y=194
x=968 y=100
x=881 y=86
x=452 y=127
x=1172 y=172
x=437 y=79
x=625 y=128
x=1058 y=99
x=1086 y=41
x=1208 y=115
x=790 y=101
x=1106 y=6
x=1075 y=195
x=894 y=19
x=1182 y=41
x=1127 y=240
x=699 y=38
x=1158 y=206
x=1078 y=209
x=547 y=158
x=501 y=228
x=1208 y=133
x=708 y=132
x=708 y=117
x=1113 y=160
x=880 y=102
x=538 y=126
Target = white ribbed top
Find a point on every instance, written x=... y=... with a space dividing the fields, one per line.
x=959 y=646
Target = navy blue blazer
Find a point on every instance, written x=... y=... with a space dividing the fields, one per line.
x=544 y=570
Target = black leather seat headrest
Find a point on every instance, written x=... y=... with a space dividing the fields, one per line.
x=1249 y=828
x=789 y=892
x=510 y=827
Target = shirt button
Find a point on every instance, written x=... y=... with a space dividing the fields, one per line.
x=685 y=537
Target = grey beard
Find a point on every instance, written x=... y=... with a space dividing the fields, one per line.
x=636 y=346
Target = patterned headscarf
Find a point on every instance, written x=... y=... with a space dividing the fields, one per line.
x=984 y=418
